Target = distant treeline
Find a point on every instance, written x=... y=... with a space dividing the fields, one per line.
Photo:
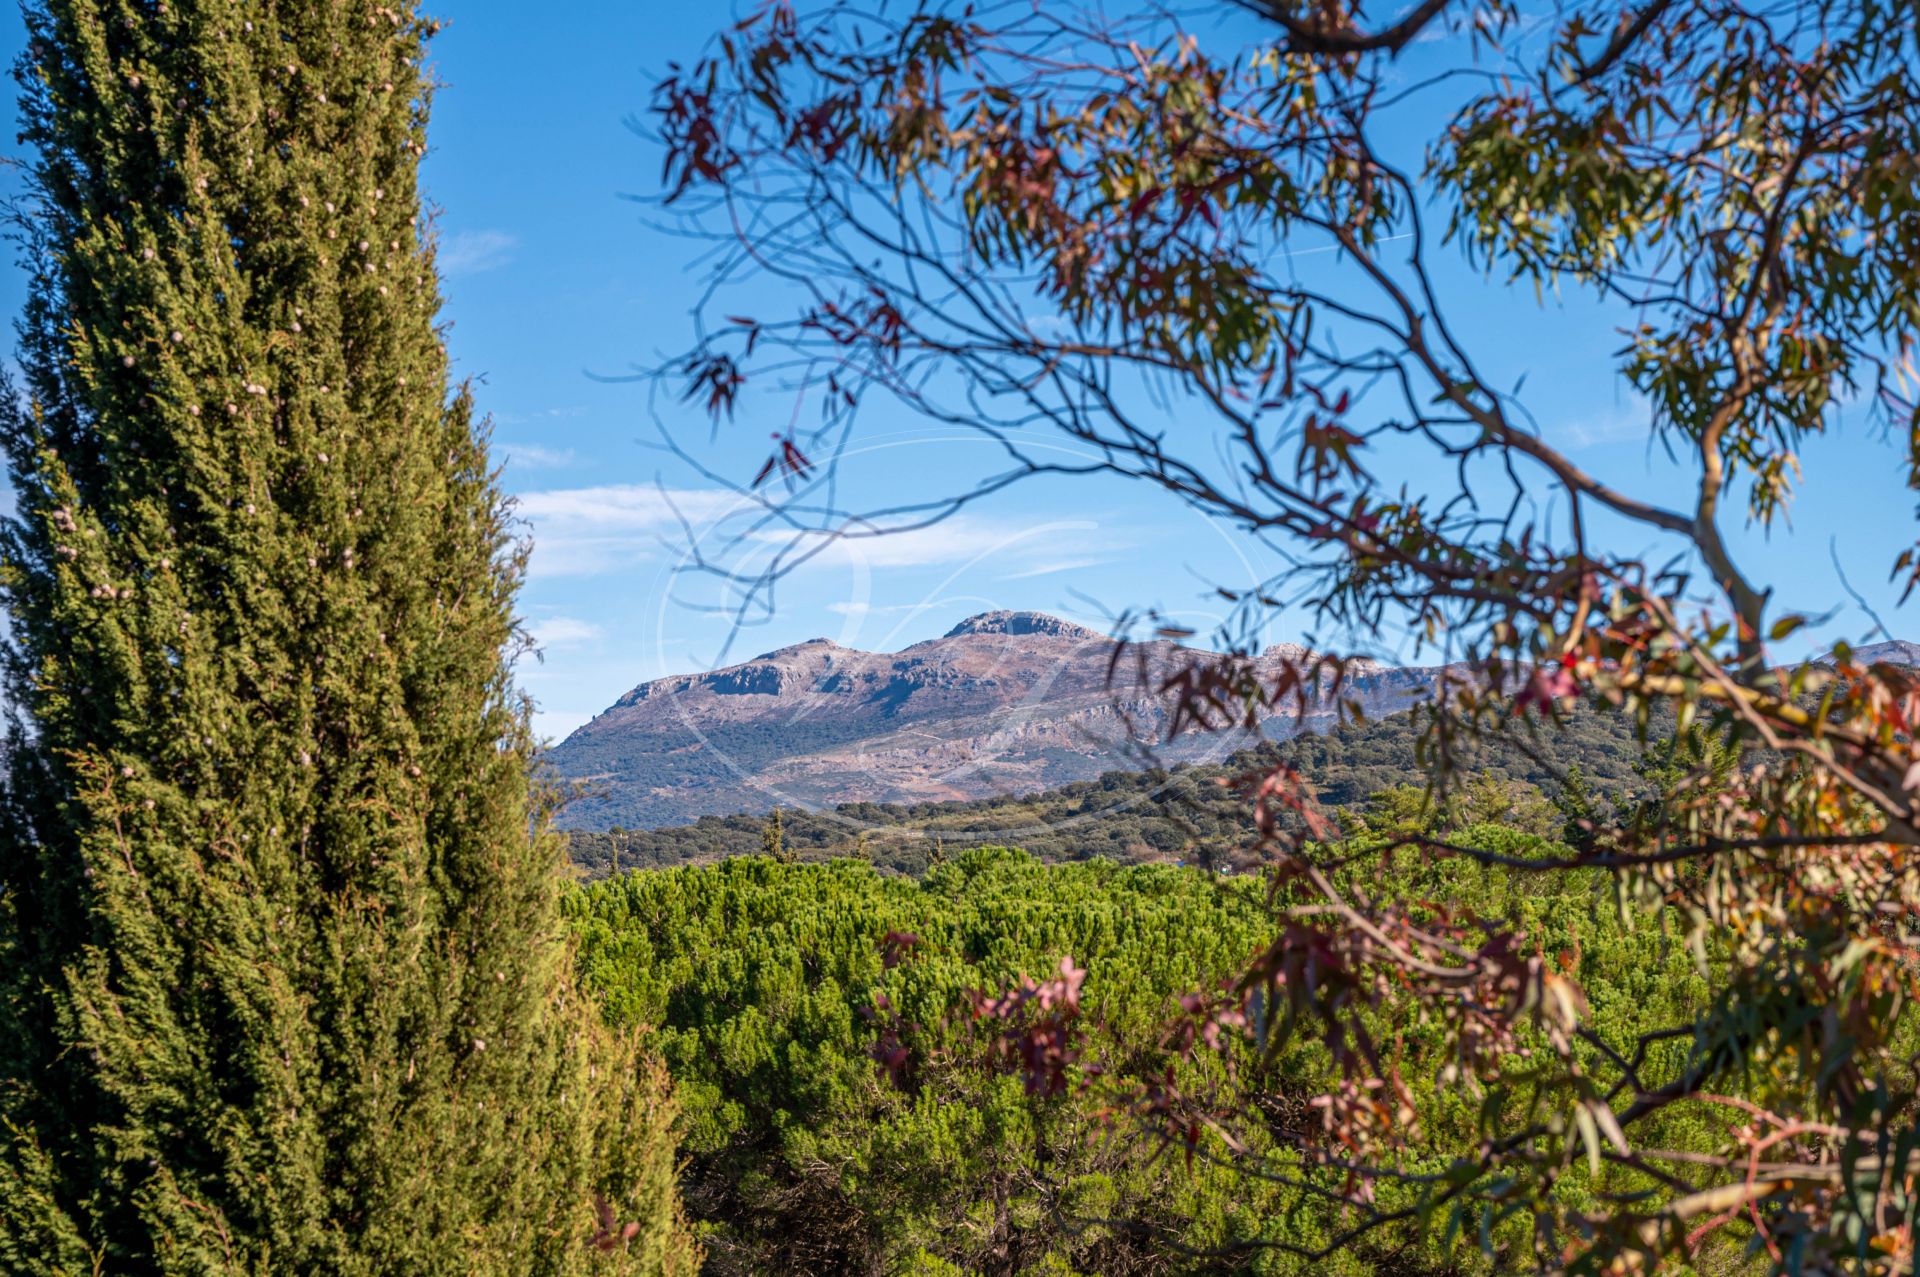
x=1134 y=816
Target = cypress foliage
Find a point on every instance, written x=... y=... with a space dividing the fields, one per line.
x=773 y=839
x=282 y=983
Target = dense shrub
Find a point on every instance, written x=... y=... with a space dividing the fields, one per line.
x=769 y=987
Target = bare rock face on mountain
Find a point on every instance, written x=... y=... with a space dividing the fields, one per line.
x=1005 y=702
x=1891 y=652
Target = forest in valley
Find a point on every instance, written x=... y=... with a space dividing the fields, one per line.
x=1187 y=812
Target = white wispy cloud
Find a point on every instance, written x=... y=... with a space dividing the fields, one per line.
x=532 y=456
x=960 y=539
x=876 y=609
x=471 y=252
x=543 y=415
x=1628 y=422
x=603 y=528
x=562 y=631
x=1055 y=565
x=587 y=531
x=622 y=507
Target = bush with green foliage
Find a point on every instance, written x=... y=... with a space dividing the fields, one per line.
x=776 y=992
x=283 y=987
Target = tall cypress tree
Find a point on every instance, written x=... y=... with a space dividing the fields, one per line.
x=282 y=985
x=773 y=839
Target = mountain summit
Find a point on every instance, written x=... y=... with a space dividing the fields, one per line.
x=1004 y=702
x=1890 y=652
x=1020 y=623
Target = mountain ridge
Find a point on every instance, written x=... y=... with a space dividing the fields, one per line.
x=1004 y=702
x=1887 y=652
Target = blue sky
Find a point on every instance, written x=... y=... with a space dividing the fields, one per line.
x=553 y=277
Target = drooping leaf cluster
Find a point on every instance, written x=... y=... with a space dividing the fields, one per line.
x=1081 y=230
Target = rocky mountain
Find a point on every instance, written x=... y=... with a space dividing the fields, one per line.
x=1004 y=703
x=1890 y=652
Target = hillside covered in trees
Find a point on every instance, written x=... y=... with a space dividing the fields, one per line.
x=1133 y=816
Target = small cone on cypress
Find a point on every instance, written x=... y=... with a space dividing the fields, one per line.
x=282 y=983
